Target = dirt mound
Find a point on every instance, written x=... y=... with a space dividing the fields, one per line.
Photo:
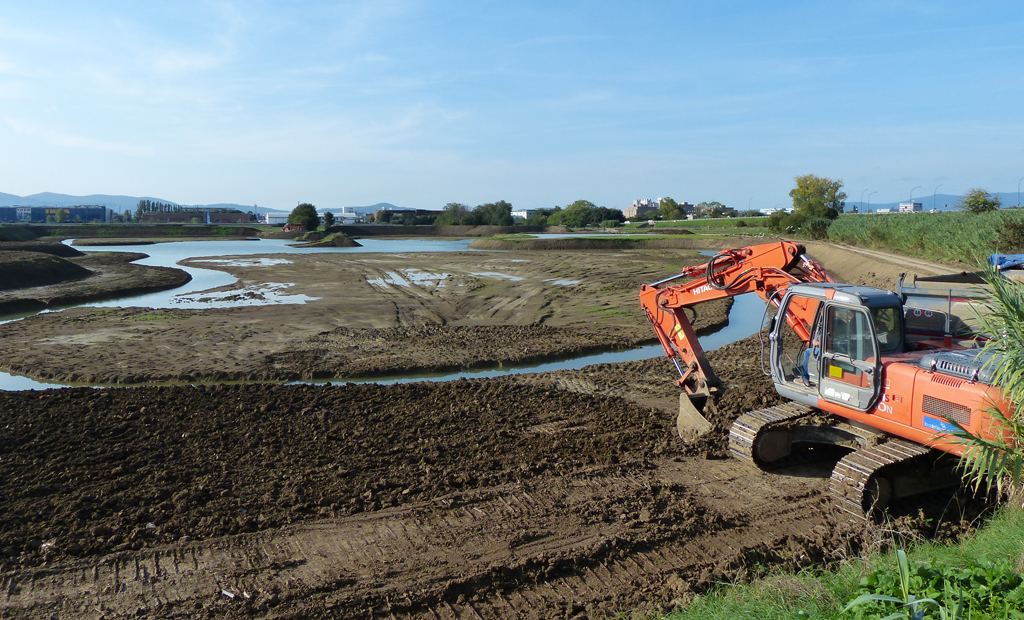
x=333 y=240
x=113 y=276
x=44 y=247
x=29 y=269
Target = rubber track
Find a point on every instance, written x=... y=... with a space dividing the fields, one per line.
x=852 y=474
x=750 y=425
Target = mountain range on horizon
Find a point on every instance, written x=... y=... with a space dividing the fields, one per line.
x=941 y=202
x=126 y=203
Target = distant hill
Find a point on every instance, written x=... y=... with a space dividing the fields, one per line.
x=124 y=203
x=941 y=202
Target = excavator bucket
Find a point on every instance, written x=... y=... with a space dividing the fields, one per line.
x=691 y=423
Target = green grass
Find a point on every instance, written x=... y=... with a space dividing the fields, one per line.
x=725 y=222
x=951 y=236
x=821 y=595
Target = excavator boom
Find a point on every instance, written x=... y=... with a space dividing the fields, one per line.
x=766 y=270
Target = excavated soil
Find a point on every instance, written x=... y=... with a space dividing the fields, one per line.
x=493 y=499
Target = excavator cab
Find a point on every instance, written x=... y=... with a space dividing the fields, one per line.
x=828 y=340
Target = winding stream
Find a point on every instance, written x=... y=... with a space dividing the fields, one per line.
x=744 y=317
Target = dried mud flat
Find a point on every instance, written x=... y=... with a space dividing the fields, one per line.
x=373 y=314
x=494 y=499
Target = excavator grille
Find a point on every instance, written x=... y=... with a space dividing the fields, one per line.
x=946 y=409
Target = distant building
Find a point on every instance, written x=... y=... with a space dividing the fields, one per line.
x=640 y=207
x=771 y=210
x=80 y=213
x=524 y=213
x=910 y=207
x=195 y=217
x=884 y=211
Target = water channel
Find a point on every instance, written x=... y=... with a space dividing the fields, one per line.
x=744 y=317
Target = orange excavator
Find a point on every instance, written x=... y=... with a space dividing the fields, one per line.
x=835 y=349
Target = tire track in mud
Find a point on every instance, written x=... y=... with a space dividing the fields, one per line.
x=502 y=552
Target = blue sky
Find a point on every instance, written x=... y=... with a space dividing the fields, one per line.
x=538 y=103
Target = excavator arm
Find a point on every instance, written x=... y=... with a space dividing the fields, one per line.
x=767 y=270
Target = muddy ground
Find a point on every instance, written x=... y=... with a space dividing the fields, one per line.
x=439 y=312
x=494 y=499
x=549 y=495
x=373 y=314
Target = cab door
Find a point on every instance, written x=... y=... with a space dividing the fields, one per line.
x=850 y=365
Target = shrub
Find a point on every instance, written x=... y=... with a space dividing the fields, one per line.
x=817 y=228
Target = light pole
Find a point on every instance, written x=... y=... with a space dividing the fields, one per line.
x=748 y=203
x=862 y=199
x=869 y=199
x=1018 y=191
x=933 y=196
x=912 y=194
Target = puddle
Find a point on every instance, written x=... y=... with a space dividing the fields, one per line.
x=409 y=277
x=564 y=282
x=270 y=293
x=246 y=262
x=494 y=274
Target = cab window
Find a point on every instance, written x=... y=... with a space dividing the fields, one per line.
x=888 y=331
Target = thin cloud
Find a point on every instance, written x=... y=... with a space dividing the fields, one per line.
x=79 y=142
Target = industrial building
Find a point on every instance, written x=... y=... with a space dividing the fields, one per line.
x=81 y=213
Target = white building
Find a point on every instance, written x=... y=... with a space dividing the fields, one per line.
x=910 y=207
x=276 y=217
x=640 y=207
x=524 y=213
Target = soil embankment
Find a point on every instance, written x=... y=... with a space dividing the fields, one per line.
x=43 y=247
x=31 y=269
x=604 y=243
x=384 y=230
x=102 y=275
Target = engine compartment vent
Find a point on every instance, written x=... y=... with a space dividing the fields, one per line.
x=947 y=380
x=945 y=409
x=972 y=364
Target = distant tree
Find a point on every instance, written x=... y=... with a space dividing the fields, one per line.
x=491 y=214
x=60 y=216
x=127 y=217
x=816 y=196
x=540 y=217
x=579 y=214
x=556 y=216
x=710 y=209
x=453 y=214
x=306 y=214
x=669 y=209
x=328 y=219
x=979 y=201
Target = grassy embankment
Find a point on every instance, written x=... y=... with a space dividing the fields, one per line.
x=726 y=226
x=153 y=230
x=819 y=595
x=610 y=242
x=950 y=236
